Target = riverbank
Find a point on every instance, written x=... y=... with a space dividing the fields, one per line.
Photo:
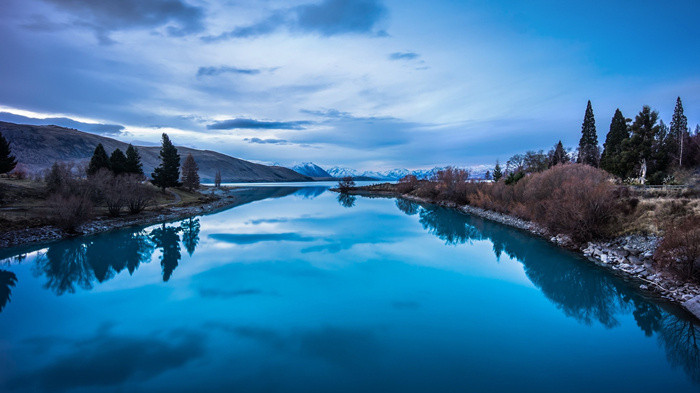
x=629 y=257
x=211 y=201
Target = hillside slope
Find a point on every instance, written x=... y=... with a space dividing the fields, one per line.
x=38 y=147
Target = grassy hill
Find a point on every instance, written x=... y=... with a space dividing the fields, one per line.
x=38 y=147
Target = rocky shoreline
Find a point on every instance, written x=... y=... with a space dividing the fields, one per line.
x=45 y=234
x=628 y=256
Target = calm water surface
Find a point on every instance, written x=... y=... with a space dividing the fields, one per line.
x=299 y=290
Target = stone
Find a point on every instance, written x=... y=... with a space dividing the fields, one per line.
x=644 y=287
x=634 y=260
x=693 y=305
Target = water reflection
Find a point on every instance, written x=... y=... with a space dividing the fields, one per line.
x=7 y=280
x=574 y=286
x=190 y=234
x=346 y=200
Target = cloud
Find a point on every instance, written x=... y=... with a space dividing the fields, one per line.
x=109 y=360
x=227 y=294
x=95 y=128
x=213 y=71
x=404 y=56
x=253 y=124
x=267 y=141
x=104 y=17
x=328 y=18
x=252 y=238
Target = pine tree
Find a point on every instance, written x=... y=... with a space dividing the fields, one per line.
x=7 y=160
x=558 y=155
x=678 y=134
x=612 y=160
x=133 y=161
x=168 y=172
x=117 y=161
x=98 y=161
x=217 y=179
x=639 y=152
x=588 y=145
x=190 y=177
x=497 y=173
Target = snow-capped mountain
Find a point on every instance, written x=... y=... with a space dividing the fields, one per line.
x=310 y=169
x=337 y=171
x=475 y=171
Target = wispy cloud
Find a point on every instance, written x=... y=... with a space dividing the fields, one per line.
x=404 y=56
x=213 y=71
x=267 y=141
x=253 y=124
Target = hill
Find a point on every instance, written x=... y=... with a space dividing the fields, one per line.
x=38 y=147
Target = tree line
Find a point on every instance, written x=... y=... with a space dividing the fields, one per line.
x=643 y=150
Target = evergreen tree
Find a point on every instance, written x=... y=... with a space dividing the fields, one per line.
x=678 y=134
x=487 y=175
x=168 y=172
x=497 y=173
x=133 y=161
x=558 y=155
x=588 y=145
x=190 y=177
x=167 y=238
x=98 y=161
x=7 y=160
x=217 y=178
x=190 y=234
x=639 y=151
x=612 y=160
x=117 y=161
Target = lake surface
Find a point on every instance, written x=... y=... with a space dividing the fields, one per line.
x=298 y=289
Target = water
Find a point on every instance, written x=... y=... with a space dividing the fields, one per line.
x=299 y=290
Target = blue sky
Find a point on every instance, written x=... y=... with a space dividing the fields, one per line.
x=370 y=84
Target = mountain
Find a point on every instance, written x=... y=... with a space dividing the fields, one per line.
x=38 y=147
x=339 y=172
x=310 y=169
x=475 y=172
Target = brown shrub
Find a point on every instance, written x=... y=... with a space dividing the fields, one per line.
x=138 y=195
x=68 y=211
x=679 y=249
x=407 y=184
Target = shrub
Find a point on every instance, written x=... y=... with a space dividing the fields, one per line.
x=345 y=184
x=407 y=184
x=68 y=211
x=679 y=249
x=60 y=179
x=138 y=195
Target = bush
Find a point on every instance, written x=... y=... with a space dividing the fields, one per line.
x=60 y=179
x=679 y=249
x=407 y=184
x=345 y=184
x=138 y=195
x=69 y=211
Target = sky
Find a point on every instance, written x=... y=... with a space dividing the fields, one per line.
x=366 y=84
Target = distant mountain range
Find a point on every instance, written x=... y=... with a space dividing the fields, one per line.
x=475 y=171
x=312 y=170
x=38 y=147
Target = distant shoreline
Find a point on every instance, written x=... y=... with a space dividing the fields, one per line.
x=627 y=257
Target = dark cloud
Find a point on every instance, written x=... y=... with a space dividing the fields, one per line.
x=267 y=141
x=109 y=360
x=95 y=128
x=213 y=71
x=252 y=238
x=328 y=18
x=404 y=56
x=104 y=17
x=257 y=124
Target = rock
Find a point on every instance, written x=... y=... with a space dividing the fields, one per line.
x=644 y=287
x=693 y=305
x=634 y=260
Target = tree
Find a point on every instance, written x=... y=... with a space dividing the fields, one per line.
x=497 y=173
x=133 y=161
x=98 y=161
x=117 y=161
x=167 y=238
x=678 y=134
x=612 y=159
x=558 y=155
x=535 y=161
x=7 y=160
x=639 y=151
x=190 y=234
x=588 y=145
x=190 y=177
x=487 y=175
x=345 y=184
x=217 y=179
x=168 y=172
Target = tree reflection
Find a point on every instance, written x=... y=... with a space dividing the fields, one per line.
x=346 y=200
x=581 y=290
x=168 y=240
x=408 y=207
x=190 y=234
x=77 y=263
x=7 y=280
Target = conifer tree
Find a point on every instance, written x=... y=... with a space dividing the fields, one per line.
x=217 y=178
x=133 y=161
x=612 y=159
x=117 y=161
x=98 y=161
x=588 y=152
x=678 y=134
x=558 y=155
x=497 y=173
x=190 y=175
x=167 y=173
x=7 y=160
x=639 y=152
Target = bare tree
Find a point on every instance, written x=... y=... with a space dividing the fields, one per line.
x=217 y=179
